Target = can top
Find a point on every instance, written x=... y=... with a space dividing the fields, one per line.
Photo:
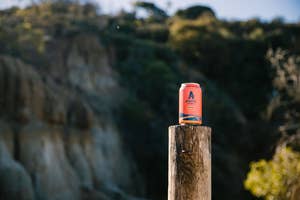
x=190 y=85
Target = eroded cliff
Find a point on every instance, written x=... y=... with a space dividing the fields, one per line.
x=57 y=138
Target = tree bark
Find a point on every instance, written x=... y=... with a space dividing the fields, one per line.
x=189 y=163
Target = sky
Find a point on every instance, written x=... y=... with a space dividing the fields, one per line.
x=225 y=9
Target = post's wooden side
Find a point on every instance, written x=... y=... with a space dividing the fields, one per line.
x=189 y=163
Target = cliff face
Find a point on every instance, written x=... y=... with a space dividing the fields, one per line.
x=57 y=139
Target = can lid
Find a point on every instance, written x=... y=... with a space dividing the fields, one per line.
x=190 y=85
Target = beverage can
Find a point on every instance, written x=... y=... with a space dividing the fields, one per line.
x=190 y=104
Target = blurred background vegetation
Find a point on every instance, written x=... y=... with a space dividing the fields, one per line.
x=249 y=71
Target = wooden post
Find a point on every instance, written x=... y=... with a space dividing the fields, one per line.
x=189 y=163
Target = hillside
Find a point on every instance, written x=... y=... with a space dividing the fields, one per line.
x=86 y=99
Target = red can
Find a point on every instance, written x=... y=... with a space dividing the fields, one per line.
x=190 y=104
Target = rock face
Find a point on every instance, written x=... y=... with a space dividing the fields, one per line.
x=42 y=154
x=15 y=182
x=55 y=139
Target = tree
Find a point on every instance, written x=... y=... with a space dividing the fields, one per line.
x=276 y=179
x=154 y=11
x=194 y=12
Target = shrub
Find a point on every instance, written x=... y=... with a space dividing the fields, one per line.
x=275 y=179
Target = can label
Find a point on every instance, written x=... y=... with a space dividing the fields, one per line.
x=190 y=104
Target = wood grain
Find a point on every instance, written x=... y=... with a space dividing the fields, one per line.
x=189 y=163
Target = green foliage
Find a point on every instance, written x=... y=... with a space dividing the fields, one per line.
x=278 y=179
x=154 y=31
x=195 y=12
x=26 y=32
x=211 y=46
x=275 y=179
x=283 y=110
x=256 y=34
